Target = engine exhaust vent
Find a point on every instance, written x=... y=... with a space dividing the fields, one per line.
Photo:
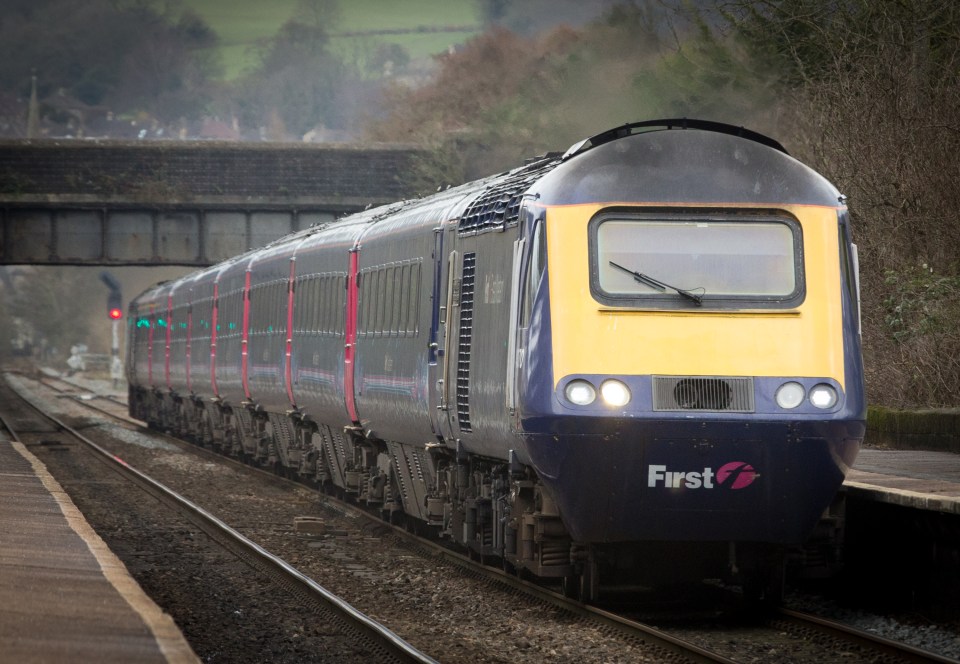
x=499 y=206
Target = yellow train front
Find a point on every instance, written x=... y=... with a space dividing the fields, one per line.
x=687 y=366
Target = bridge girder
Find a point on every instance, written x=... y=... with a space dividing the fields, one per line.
x=144 y=236
x=188 y=203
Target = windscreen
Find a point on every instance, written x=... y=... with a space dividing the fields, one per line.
x=716 y=260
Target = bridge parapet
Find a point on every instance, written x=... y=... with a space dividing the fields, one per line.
x=183 y=203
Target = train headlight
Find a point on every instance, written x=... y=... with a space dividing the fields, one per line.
x=790 y=395
x=580 y=392
x=823 y=396
x=615 y=393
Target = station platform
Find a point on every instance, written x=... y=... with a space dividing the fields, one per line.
x=64 y=596
x=910 y=478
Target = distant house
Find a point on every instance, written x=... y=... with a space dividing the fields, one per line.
x=321 y=134
x=215 y=129
x=62 y=115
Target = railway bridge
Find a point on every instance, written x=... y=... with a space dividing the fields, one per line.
x=189 y=203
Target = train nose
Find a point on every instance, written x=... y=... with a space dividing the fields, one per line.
x=681 y=481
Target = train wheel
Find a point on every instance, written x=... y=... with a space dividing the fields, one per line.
x=763 y=586
x=583 y=587
x=570 y=586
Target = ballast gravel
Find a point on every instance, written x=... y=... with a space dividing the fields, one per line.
x=452 y=617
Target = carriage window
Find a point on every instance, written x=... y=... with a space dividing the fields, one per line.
x=340 y=298
x=411 y=290
x=318 y=304
x=388 y=320
x=389 y=300
x=648 y=261
x=202 y=312
x=233 y=310
x=320 y=296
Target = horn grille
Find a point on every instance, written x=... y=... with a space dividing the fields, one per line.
x=703 y=393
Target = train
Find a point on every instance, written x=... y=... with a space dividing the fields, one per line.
x=636 y=360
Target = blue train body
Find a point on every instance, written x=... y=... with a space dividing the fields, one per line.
x=650 y=343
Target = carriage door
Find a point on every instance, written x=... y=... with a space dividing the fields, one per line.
x=514 y=332
x=443 y=327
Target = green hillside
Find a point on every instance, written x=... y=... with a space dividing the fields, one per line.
x=242 y=23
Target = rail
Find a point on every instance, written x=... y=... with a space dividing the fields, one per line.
x=393 y=647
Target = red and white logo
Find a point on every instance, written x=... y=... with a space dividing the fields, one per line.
x=736 y=475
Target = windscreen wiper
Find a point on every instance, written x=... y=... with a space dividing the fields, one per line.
x=647 y=280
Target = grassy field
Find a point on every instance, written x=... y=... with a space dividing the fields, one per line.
x=242 y=23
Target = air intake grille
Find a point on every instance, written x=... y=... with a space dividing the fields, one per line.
x=703 y=393
x=499 y=206
x=465 y=342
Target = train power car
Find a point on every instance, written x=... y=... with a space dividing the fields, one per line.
x=637 y=358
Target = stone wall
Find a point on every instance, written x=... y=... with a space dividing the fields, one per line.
x=937 y=430
x=171 y=172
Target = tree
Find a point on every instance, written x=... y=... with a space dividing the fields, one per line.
x=57 y=305
x=299 y=82
x=871 y=91
x=531 y=17
x=169 y=71
x=127 y=56
x=505 y=97
x=323 y=14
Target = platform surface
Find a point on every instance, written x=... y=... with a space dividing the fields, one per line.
x=912 y=478
x=64 y=596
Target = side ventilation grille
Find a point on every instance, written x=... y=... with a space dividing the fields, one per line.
x=465 y=342
x=701 y=393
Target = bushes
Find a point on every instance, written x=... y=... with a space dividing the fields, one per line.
x=922 y=310
x=881 y=119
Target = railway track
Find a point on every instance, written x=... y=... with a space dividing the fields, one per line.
x=371 y=637
x=666 y=647
x=886 y=648
x=669 y=644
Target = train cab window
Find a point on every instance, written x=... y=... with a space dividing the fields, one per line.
x=538 y=261
x=678 y=261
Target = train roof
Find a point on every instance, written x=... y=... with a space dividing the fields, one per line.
x=632 y=128
x=658 y=161
x=683 y=161
x=673 y=161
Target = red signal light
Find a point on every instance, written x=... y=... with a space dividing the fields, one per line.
x=115 y=314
